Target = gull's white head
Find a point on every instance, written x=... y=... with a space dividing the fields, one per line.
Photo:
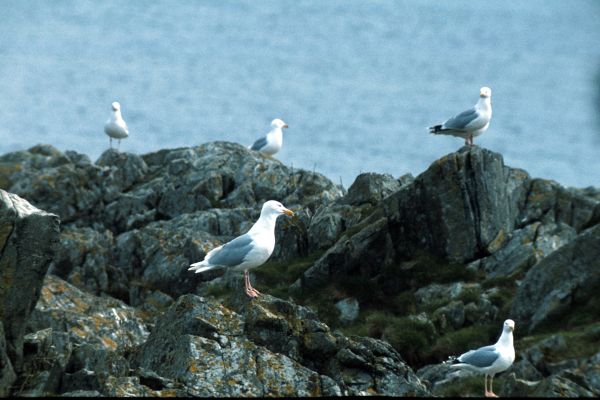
x=116 y=106
x=485 y=92
x=275 y=207
x=277 y=123
x=509 y=325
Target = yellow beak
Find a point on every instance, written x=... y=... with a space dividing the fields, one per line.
x=288 y=212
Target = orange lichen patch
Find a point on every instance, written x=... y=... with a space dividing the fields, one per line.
x=498 y=241
x=193 y=368
x=108 y=343
x=47 y=294
x=166 y=393
x=78 y=331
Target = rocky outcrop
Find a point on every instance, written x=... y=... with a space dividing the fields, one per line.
x=83 y=343
x=568 y=276
x=28 y=239
x=422 y=268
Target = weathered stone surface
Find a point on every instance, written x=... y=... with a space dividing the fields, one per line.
x=349 y=309
x=570 y=274
x=128 y=168
x=85 y=260
x=133 y=224
x=276 y=348
x=459 y=206
x=28 y=239
x=549 y=202
x=372 y=188
x=364 y=252
x=211 y=357
x=105 y=323
x=7 y=372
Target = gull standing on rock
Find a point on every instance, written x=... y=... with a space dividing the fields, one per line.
x=490 y=360
x=470 y=123
x=272 y=142
x=249 y=250
x=115 y=126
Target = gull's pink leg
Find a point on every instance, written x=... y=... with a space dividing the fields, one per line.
x=250 y=291
x=489 y=393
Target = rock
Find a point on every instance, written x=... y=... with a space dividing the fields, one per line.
x=549 y=202
x=567 y=275
x=127 y=168
x=364 y=253
x=53 y=182
x=449 y=316
x=275 y=348
x=103 y=322
x=458 y=207
x=371 y=188
x=331 y=220
x=7 y=373
x=28 y=240
x=560 y=386
x=84 y=259
x=208 y=355
x=348 y=308
x=46 y=357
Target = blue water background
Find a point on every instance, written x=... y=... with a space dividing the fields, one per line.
x=357 y=81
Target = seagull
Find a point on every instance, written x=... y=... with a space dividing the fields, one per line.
x=490 y=360
x=470 y=123
x=272 y=142
x=248 y=250
x=115 y=126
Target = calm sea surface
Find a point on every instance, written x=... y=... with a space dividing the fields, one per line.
x=357 y=81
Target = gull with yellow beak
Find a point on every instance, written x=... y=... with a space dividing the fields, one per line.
x=490 y=360
x=470 y=123
x=249 y=250
x=272 y=142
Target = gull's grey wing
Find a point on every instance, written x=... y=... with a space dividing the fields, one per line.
x=232 y=253
x=259 y=144
x=480 y=358
x=461 y=121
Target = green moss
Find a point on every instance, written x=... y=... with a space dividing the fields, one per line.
x=470 y=295
x=279 y=275
x=583 y=341
x=457 y=342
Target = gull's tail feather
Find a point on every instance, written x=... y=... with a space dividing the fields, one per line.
x=436 y=129
x=200 y=267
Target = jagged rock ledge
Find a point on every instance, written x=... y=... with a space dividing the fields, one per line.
x=426 y=266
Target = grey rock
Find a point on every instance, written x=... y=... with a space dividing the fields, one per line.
x=568 y=274
x=549 y=202
x=461 y=205
x=84 y=259
x=28 y=240
x=364 y=252
x=7 y=372
x=449 y=316
x=46 y=358
x=348 y=308
x=275 y=347
x=127 y=168
x=103 y=322
x=371 y=188
x=560 y=385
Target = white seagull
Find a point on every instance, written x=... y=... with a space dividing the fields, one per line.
x=470 y=123
x=248 y=250
x=115 y=126
x=272 y=142
x=490 y=360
